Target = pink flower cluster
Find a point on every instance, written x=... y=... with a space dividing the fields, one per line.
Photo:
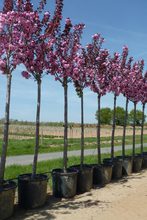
x=26 y=37
x=64 y=54
x=35 y=40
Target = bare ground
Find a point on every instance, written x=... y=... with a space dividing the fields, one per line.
x=121 y=200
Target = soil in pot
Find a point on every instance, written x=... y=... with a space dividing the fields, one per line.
x=64 y=183
x=32 y=192
x=84 y=178
x=137 y=163
x=7 y=195
x=144 y=160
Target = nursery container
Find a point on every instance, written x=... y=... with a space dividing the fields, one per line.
x=137 y=163
x=102 y=174
x=7 y=196
x=116 y=167
x=84 y=178
x=144 y=160
x=127 y=165
x=32 y=192
x=64 y=183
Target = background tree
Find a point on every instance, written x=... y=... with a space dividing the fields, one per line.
x=138 y=120
x=106 y=116
x=119 y=117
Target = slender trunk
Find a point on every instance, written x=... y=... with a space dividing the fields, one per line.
x=65 y=124
x=34 y=168
x=82 y=129
x=142 y=126
x=124 y=128
x=113 y=127
x=134 y=127
x=6 y=129
x=99 y=130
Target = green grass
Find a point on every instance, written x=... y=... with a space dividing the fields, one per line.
x=26 y=146
x=46 y=166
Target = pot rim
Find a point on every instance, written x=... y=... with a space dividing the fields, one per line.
x=83 y=167
x=38 y=177
x=8 y=185
x=61 y=172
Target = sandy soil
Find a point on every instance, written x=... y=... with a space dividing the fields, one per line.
x=123 y=200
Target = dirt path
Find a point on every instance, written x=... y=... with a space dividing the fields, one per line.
x=121 y=200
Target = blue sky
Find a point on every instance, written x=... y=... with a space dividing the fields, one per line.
x=119 y=22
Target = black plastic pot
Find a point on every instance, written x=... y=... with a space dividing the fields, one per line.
x=98 y=175
x=32 y=192
x=117 y=167
x=102 y=174
x=7 y=195
x=85 y=178
x=144 y=160
x=126 y=165
x=64 y=183
x=137 y=163
x=108 y=172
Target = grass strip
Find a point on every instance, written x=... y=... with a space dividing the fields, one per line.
x=13 y=171
x=26 y=146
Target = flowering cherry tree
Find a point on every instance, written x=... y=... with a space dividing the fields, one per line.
x=117 y=65
x=80 y=82
x=97 y=64
x=35 y=59
x=124 y=89
x=143 y=99
x=10 y=43
x=62 y=64
x=19 y=25
x=135 y=84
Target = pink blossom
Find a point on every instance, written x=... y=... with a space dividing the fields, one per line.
x=2 y=64
x=96 y=36
x=26 y=75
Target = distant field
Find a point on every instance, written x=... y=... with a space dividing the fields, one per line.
x=28 y=131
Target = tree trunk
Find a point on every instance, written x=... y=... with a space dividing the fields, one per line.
x=142 y=126
x=34 y=168
x=82 y=129
x=124 y=128
x=113 y=127
x=99 y=130
x=6 y=129
x=65 y=124
x=134 y=127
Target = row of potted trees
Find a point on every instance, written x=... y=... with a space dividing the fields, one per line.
x=31 y=37
x=96 y=69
